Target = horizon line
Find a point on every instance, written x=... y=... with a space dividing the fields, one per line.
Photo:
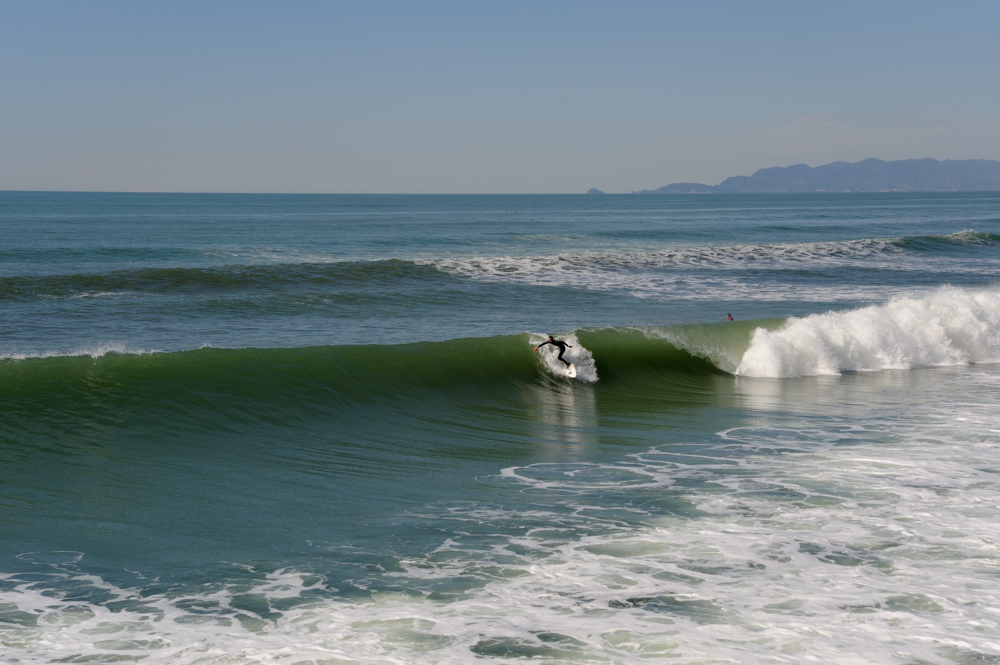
x=653 y=193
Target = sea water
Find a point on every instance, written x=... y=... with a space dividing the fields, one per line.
x=312 y=429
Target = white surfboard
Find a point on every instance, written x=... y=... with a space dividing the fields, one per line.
x=571 y=371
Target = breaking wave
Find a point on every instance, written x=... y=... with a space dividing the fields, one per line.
x=710 y=273
x=948 y=327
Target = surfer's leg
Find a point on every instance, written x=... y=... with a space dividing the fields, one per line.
x=565 y=362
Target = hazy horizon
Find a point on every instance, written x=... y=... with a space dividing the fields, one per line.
x=448 y=98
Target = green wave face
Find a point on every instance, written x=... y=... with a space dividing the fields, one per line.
x=250 y=381
x=949 y=242
x=204 y=395
x=198 y=451
x=313 y=376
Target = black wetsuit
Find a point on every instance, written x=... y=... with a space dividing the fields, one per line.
x=562 y=348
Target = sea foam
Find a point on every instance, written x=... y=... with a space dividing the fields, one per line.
x=711 y=273
x=947 y=327
x=94 y=351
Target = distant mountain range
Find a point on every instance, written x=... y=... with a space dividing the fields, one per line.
x=870 y=175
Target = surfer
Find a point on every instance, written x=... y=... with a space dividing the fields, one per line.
x=729 y=316
x=562 y=348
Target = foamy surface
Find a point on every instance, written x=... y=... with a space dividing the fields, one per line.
x=739 y=272
x=948 y=327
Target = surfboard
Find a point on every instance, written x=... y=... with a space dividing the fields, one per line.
x=571 y=371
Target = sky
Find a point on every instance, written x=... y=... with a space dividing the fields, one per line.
x=482 y=97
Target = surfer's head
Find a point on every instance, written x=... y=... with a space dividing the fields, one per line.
x=551 y=338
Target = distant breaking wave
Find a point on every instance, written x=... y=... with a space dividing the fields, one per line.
x=697 y=273
x=711 y=273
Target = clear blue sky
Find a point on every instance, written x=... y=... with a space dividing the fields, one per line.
x=482 y=97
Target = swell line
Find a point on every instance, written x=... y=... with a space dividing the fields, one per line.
x=224 y=279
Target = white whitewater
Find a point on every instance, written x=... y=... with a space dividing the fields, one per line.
x=947 y=327
x=586 y=369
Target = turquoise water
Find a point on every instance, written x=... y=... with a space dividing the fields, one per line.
x=311 y=429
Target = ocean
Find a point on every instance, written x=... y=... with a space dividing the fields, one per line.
x=311 y=429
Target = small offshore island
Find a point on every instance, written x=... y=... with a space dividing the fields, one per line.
x=869 y=175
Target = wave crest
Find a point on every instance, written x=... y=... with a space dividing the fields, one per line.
x=948 y=327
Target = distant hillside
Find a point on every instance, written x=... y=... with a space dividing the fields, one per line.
x=870 y=175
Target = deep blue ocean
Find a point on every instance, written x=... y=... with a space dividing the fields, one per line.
x=311 y=429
